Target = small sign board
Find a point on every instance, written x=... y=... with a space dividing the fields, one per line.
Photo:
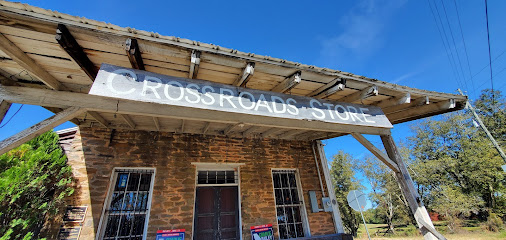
x=75 y=213
x=69 y=233
x=262 y=232
x=174 y=234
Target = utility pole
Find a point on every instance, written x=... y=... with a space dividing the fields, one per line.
x=478 y=119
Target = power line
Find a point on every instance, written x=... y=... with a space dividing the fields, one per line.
x=465 y=47
x=489 y=55
x=454 y=44
x=12 y=116
x=449 y=54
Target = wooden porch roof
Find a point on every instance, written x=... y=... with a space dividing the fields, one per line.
x=46 y=49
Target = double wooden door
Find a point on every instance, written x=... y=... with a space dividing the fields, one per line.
x=216 y=213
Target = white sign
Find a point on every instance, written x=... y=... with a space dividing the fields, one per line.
x=357 y=200
x=118 y=82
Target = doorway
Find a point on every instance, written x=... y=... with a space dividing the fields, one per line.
x=217 y=213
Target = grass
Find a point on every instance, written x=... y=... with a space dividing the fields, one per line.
x=471 y=230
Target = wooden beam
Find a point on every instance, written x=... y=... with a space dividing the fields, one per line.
x=206 y=128
x=247 y=73
x=289 y=133
x=57 y=110
x=422 y=110
x=374 y=150
x=328 y=89
x=128 y=120
x=336 y=214
x=288 y=83
x=134 y=54
x=157 y=123
x=28 y=63
x=70 y=45
x=99 y=118
x=271 y=132
x=415 y=103
x=64 y=99
x=363 y=94
x=248 y=131
x=181 y=129
x=229 y=129
x=194 y=64
x=39 y=128
x=4 y=107
x=407 y=187
x=394 y=101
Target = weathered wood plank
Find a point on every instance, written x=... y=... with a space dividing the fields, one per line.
x=4 y=107
x=247 y=73
x=39 y=128
x=99 y=118
x=157 y=123
x=407 y=187
x=28 y=63
x=374 y=150
x=63 y=99
x=194 y=64
x=336 y=214
x=134 y=53
x=128 y=120
x=206 y=128
x=365 y=93
x=288 y=83
x=328 y=89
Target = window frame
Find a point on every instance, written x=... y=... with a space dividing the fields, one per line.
x=303 y=213
x=110 y=191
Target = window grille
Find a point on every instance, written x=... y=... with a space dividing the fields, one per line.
x=217 y=177
x=126 y=212
x=288 y=204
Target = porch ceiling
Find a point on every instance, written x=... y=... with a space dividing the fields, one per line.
x=44 y=62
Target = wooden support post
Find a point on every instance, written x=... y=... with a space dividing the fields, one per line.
x=288 y=83
x=28 y=63
x=374 y=150
x=408 y=189
x=134 y=54
x=4 y=107
x=328 y=89
x=194 y=64
x=336 y=214
x=157 y=123
x=39 y=128
x=363 y=94
x=128 y=120
x=247 y=73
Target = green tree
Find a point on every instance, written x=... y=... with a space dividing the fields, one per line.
x=492 y=111
x=34 y=180
x=457 y=169
x=387 y=198
x=343 y=179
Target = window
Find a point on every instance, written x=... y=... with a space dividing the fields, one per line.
x=217 y=177
x=289 y=206
x=127 y=208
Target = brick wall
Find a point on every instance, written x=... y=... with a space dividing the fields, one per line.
x=93 y=158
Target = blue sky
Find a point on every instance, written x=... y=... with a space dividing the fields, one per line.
x=396 y=41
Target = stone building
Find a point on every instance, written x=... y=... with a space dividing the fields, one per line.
x=176 y=134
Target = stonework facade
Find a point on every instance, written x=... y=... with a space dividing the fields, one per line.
x=95 y=152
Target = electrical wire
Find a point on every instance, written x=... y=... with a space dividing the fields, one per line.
x=465 y=47
x=489 y=55
x=12 y=116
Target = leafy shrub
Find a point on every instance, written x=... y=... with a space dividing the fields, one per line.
x=34 y=180
x=494 y=223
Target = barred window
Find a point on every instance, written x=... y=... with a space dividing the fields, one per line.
x=126 y=212
x=289 y=205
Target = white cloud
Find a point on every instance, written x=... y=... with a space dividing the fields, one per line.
x=362 y=31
